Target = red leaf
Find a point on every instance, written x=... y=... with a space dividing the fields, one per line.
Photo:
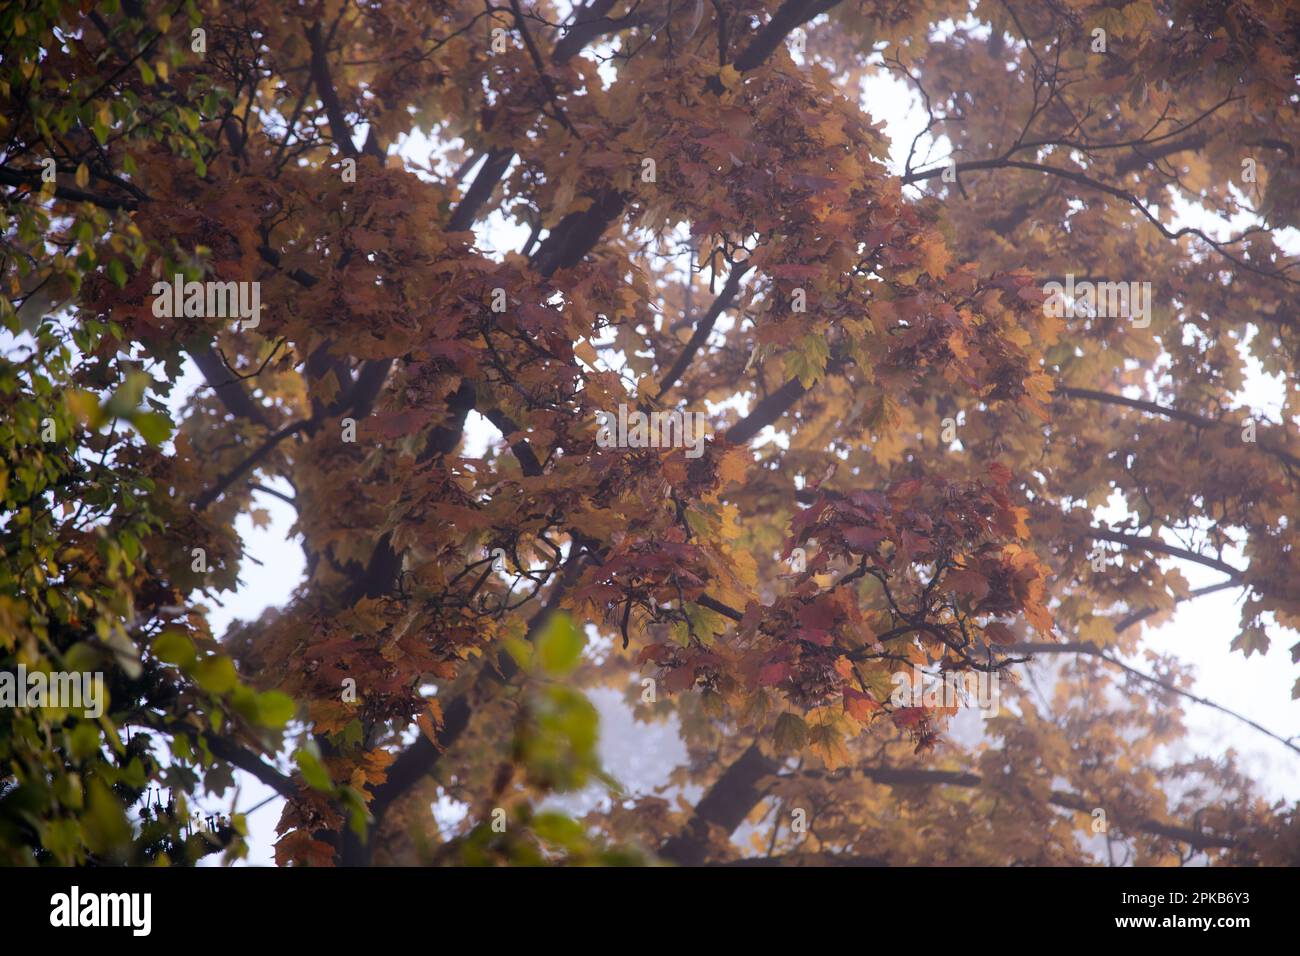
x=863 y=539
x=999 y=633
x=967 y=582
x=906 y=717
x=772 y=674
x=819 y=615
x=1000 y=473
x=858 y=705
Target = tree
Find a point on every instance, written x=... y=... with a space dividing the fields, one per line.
x=774 y=426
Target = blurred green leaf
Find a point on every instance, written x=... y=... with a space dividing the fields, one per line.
x=559 y=645
x=275 y=709
x=173 y=647
x=216 y=675
x=154 y=427
x=312 y=770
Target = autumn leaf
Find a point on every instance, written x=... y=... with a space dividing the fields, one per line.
x=434 y=246
x=790 y=734
x=859 y=706
x=999 y=633
x=968 y=582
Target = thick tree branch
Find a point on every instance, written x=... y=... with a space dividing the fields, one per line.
x=1153 y=408
x=536 y=55
x=725 y=805
x=10 y=177
x=224 y=748
x=577 y=233
x=789 y=16
x=1145 y=543
x=245 y=760
x=765 y=413
x=228 y=389
x=703 y=328
x=218 y=488
x=419 y=760
x=736 y=792
x=340 y=129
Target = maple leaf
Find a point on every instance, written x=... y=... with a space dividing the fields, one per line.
x=774 y=673
x=999 y=633
x=1251 y=640
x=968 y=582
x=859 y=706
x=790 y=733
x=713 y=229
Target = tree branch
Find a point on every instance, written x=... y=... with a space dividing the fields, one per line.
x=229 y=390
x=218 y=488
x=1093 y=650
x=340 y=129
x=1161 y=547
x=1154 y=408
x=725 y=805
x=765 y=413
x=703 y=328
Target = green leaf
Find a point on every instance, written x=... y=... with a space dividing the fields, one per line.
x=358 y=813
x=173 y=647
x=312 y=771
x=275 y=709
x=1251 y=639
x=559 y=645
x=246 y=702
x=154 y=427
x=83 y=740
x=808 y=359
x=559 y=746
x=354 y=733
x=82 y=657
x=559 y=830
x=216 y=675
x=520 y=650
x=105 y=825
x=126 y=398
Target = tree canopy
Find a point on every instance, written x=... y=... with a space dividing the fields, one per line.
x=918 y=390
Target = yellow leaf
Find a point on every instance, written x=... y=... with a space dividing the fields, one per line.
x=935 y=257
x=1039 y=386
x=729 y=77
x=584 y=351
x=734 y=466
